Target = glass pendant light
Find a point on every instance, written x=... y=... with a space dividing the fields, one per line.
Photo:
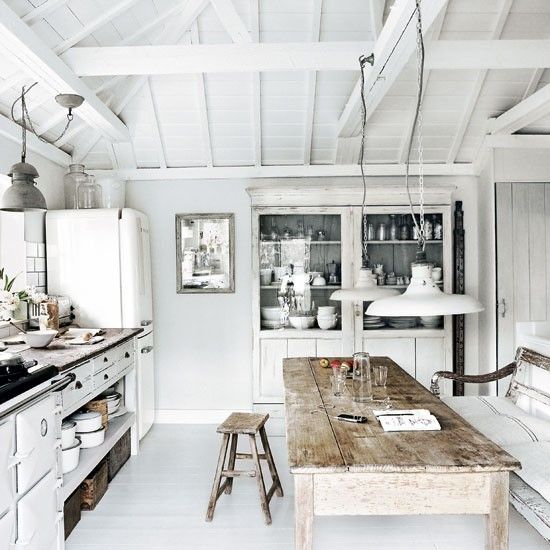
x=422 y=296
x=366 y=288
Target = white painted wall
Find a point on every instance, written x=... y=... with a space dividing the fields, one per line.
x=204 y=342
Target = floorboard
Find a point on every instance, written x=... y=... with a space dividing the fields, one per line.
x=158 y=502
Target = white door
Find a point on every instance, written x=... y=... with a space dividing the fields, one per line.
x=523 y=262
x=37 y=516
x=7 y=479
x=36 y=440
x=146 y=384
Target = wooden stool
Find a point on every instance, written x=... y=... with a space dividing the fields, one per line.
x=244 y=424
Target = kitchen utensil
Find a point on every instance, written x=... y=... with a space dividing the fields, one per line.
x=328 y=322
x=68 y=433
x=271 y=313
x=18 y=328
x=91 y=439
x=302 y=322
x=87 y=421
x=12 y=364
x=71 y=456
x=437 y=274
x=39 y=338
x=319 y=281
x=333 y=272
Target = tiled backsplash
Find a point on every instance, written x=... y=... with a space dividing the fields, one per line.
x=36 y=266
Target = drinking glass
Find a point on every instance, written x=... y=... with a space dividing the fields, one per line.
x=380 y=373
x=338 y=380
x=362 y=379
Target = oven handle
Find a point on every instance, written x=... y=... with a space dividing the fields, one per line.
x=55 y=387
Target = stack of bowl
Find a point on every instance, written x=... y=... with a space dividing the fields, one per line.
x=271 y=316
x=113 y=401
x=327 y=317
x=89 y=428
x=70 y=445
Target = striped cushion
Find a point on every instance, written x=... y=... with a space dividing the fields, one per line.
x=500 y=420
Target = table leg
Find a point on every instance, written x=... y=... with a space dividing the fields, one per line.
x=303 y=511
x=496 y=522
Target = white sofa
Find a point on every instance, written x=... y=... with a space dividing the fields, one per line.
x=518 y=424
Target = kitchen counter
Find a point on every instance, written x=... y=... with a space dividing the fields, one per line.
x=64 y=356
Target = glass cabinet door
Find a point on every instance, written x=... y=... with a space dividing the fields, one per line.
x=300 y=264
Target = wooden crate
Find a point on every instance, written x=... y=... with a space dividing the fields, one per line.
x=119 y=454
x=94 y=486
x=71 y=512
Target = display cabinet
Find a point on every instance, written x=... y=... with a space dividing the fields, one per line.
x=321 y=246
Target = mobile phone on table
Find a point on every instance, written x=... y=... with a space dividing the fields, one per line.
x=356 y=419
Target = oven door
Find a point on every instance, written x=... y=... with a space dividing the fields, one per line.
x=38 y=520
x=7 y=463
x=36 y=442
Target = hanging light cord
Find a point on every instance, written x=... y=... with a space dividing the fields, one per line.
x=417 y=122
x=26 y=122
x=363 y=60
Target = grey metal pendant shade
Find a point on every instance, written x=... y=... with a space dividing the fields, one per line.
x=23 y=195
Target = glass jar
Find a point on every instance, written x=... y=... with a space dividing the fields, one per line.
x=404 y=233
x=89 y=194
x=438 y=229
x=71 y=181
x=382 y=233
x=393 y=228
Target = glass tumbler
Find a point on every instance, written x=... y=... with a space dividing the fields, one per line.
x=380 y=375
x=338 y=380
x=362 y=379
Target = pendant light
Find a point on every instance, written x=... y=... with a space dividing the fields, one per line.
x=366 y=288
x=422 y=296
x=23 y=195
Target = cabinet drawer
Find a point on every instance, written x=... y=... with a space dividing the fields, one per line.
x=80 y=387
x=106 y=376
x=126 y=356
x=105 y=360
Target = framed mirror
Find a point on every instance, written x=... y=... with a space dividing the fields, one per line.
x=205 y=253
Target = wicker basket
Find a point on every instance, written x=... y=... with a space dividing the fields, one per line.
x=94 y=486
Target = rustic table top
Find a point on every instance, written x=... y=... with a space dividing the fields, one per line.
x=317 y=442
x=64 y=356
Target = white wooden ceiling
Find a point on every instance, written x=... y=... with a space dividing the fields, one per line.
x=271 y=118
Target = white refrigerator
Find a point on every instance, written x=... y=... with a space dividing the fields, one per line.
x=101 y=259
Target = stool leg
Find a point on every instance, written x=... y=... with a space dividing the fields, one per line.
x=231 y=462
x=217 y=479
x=271 y=463
x=260 y=478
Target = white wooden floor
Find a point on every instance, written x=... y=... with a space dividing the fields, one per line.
x=158 y=502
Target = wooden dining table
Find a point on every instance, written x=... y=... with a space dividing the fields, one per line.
x=340 y=468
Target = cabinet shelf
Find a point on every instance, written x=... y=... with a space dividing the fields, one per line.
x=312 y=287
x=417 y=332
x=438 y=241
x=90 y=458
x=301 y=239
x=316 y=333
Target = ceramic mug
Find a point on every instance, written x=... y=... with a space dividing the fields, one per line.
x=265 y=276
x=437 y=274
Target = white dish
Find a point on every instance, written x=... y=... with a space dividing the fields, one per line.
x=271 y=324
x=302 y=323
x=39 y=338
x=113 y=405
x=271 y=313
x=92 y=439
x=326 y=323
x=68 y=433
x=88 y=421
x=71 y=456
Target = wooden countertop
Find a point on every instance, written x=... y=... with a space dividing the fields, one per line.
x=317 y=442
x=64 y=356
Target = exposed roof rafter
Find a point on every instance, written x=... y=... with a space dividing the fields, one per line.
x=43 y=10
x=256 y=87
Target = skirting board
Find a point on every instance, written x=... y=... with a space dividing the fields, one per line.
x=193 y=416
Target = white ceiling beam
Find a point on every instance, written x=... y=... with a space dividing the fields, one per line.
x=533 y=83
x=111 y=153
x=518 y=141
x=376 y=13
x=98 y=22
x=33 y=55
x=12 y=131
x=256 y=87
x=231 y=21
x=157 y=136
x=220 y=58
x=43 y=10
x=288 y=171
x=81 y=150
x=203 y=107
x=524 y=113
x=312 y=81
x=407 y=134
x=473 y=96
x=392 y=51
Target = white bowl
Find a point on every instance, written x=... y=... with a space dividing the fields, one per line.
x=327 y=323
x=88 y=421
x=39 y=338
x=270 y=313
x=324 y=311
x=71 y=456
x=302 y=323
x=92 y=439
x=113 y=405
x=68 y=433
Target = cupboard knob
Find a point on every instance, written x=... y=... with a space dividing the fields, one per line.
x=78 y=385
x=105 y=376
x=105 y=359
x=126 y=355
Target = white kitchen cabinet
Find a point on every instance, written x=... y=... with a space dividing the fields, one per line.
x=400 y=350
x=38 y=519
x=36 y=442
x=146 y=382
x=7 y=529
x=337 y=211
x=7 y=480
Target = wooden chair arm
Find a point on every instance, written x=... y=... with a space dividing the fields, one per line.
x=473 y=378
